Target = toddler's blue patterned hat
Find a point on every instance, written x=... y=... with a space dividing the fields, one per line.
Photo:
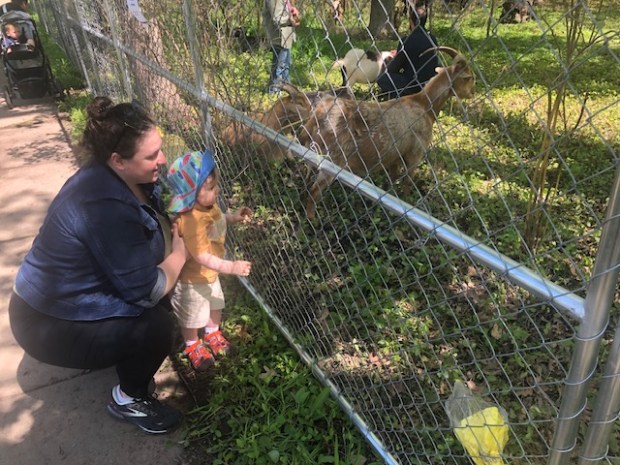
x=185 y=176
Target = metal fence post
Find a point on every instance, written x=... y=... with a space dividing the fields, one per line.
x=608 y=400
x=597 y=305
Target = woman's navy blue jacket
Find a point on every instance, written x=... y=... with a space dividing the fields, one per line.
x=97 y=252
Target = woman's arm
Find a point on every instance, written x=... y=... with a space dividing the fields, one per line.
x=173 y=263
x=123 y=241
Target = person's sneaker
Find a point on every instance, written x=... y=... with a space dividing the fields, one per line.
x=217 y=343
x=199 y=356
x=148 y=414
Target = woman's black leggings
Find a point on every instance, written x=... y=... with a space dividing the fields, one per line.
x=137 y=346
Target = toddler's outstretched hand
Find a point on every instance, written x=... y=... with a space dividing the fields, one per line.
x=241 y=268
x=244 y=214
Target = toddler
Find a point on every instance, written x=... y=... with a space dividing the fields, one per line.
x=13 y=36
x=198 y=299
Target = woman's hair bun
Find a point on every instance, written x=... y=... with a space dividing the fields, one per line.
x=98 y=109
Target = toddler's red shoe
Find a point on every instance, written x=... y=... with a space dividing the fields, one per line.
x=217 y=343
x=199 y=356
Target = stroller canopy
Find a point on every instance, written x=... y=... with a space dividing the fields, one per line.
x=15 y=16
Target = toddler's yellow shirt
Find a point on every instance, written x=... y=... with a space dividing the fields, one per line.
x=204 y=231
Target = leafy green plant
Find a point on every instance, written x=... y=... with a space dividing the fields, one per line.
x=579 y=43
x=63 y=70
x=75 y=105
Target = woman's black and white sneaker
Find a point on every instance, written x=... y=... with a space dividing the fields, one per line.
x=148 y=414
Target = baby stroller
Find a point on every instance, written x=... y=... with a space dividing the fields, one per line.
x=26 y=67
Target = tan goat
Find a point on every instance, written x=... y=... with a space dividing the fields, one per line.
x=237 y=134
x=369 y=136
x=286 y=115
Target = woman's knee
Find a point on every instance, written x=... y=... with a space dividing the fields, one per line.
x=159 y=328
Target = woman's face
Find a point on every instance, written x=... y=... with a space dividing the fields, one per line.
x=208 y=192
x=144 y=166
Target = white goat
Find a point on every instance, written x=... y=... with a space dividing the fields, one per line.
x=369 y=136
x=363 y=66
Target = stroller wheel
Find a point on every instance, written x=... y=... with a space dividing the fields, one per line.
x=56 y=90
x=60 y=94
x=8 y=97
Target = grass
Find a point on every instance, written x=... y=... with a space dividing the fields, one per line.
x=69 y=79
x=262 y=404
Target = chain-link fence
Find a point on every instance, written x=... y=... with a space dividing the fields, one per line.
x=404 y=244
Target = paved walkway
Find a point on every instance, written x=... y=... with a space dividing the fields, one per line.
x=51 y=415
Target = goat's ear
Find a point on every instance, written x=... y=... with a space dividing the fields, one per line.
x=460 y=64
x=438 y=69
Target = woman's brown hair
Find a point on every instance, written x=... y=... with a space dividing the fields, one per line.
x=113 y=128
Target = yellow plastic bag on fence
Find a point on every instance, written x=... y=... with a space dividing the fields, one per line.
x=479 y=426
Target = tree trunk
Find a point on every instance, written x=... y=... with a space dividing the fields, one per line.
x=160 y=96
x=381 y=14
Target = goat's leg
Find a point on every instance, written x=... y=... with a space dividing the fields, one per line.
x=408 y=183
x=345 y=79
x=321 y=182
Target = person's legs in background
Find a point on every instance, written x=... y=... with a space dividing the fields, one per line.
x=280 y=68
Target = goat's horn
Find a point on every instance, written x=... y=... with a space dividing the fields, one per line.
x=288 y=88
x=449 y=50
x=298 y=97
